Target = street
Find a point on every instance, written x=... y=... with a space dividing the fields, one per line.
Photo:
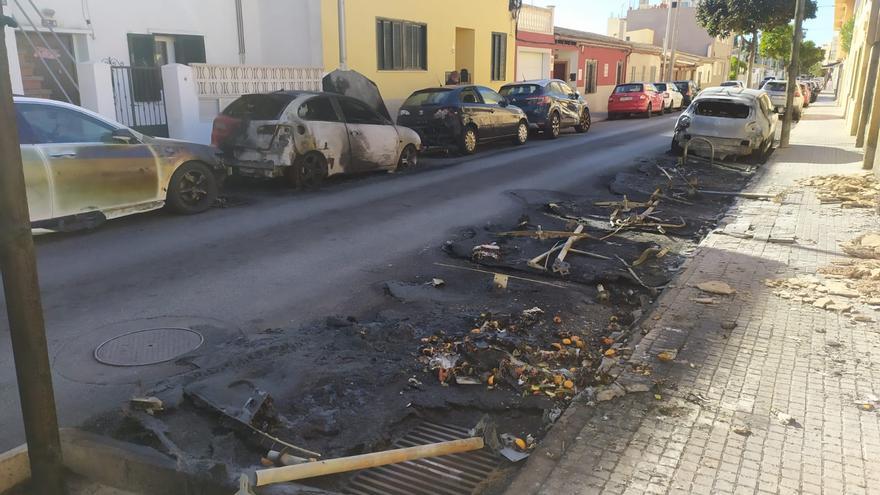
x=275 y=257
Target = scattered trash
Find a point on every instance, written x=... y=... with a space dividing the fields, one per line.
x=499 y=281
x=602 y=293
x=438 y=282
x=742 y=430
x=150 y=405
x=784 y=418
x=514 y=449
x=716 y=287
x=864 y=246
x=487 y=251
x=667 y=356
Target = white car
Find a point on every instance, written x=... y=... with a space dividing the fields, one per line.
x=776 y=91
x=733 y=84
x=672 y=97
x=308 y=136
x=737 y=122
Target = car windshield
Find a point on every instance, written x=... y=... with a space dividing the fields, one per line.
x=259 y=107
x=724 y=109
x=520 y=90
x=628 y=88
x=427 y=97
x=775 y=86
x=660 y=86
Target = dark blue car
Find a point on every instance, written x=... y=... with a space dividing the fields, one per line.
x=550 y=104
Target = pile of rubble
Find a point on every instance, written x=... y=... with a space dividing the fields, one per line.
x=850 y=191
x=865 y=246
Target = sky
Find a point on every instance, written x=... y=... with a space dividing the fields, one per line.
x=592 y=16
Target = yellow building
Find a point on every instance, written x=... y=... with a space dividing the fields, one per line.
x=406 y=45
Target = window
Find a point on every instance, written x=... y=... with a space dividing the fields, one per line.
x=427 y=97
x=319 y=108
x=358 y=113
x=520 y=89
x=724 y=109
x=628 y=88
x=561 y=89
x=52 y=124
x=499 y=56
x=653 y=73
x=592 y=71
x=605 y=70
x=644 y=73
x=150 y=50
x=490 y=97
x=401 y=45
x=468 y=95
x=632 y=75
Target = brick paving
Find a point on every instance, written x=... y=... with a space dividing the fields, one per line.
x=740 y=363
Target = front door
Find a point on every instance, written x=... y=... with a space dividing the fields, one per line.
x=87 y=170
x=373 y=140
x=482 y=115
x=327 y=133
x=503 y=118
x=560 y=71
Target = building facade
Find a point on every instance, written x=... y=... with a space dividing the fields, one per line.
x=590 y=63
x=534 y=43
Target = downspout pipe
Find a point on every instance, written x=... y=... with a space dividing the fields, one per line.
x=239 y=27
x=343 y=53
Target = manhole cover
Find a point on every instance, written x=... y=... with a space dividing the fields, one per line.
x=150 y=346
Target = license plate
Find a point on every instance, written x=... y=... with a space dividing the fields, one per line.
x=625 y=98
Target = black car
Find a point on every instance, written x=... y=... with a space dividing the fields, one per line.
x=462 y=116
x=550 y=105
x=689 y=90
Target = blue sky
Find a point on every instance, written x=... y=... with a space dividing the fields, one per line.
x=592 y=15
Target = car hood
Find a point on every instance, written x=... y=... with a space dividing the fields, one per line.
x=167 y=147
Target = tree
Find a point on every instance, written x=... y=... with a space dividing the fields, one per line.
x=811 y=55
x=846 y=34
x=776 y=43
x=736 y=67
x=722 y=18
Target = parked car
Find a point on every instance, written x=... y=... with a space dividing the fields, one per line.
x=632 y=98
x=672 y=97
x=733 y=84
x=462 y=117
x=776 y=91
x=738 y=122
x=688 y=90
x=550 y=105
x=808 y=94
x=307 y=136
x=764 y=81
x=814 y=89
x=82 y=169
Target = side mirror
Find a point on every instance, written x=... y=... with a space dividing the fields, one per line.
x=123 y=136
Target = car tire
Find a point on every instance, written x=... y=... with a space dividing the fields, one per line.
x=585 y=122
x=553 y=126
x=650 y=112
x=193 y=189
x=467 y=142
x=663 y=109
x=522 y=133
x=308 y=171
x=797 y=116
x=409 y=158
x=675 y=148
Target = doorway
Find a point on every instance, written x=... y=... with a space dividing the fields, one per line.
x=464 y=54
x=560 y=71
x=46 y=70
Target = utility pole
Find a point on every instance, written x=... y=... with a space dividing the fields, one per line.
x=343 y=53
x=673 y=39
x=23 y=306
x=793 y=69
x=664 y=60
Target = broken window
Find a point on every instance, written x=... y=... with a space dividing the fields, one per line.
x=401 y=45
x=724 y=109
x=359 y=113
x=499 y=56
x=319 y=109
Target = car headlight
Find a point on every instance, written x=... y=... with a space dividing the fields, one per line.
x=404 y=112
x=683 y=123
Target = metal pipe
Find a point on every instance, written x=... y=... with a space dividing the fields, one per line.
x=343 y=53
x=673 y=40
x=23 y=306
x=663 y=59
x=793 y=69
x=239 y=27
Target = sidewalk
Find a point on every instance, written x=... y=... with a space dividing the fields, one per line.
x=718 y=424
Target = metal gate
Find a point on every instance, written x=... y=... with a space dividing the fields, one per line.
x=140 y=99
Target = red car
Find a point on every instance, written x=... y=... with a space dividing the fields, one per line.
x=640 y=98
x=807 y=92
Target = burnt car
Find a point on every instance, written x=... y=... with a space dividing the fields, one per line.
x=81 y=169
x=462 y=116
x=550 y=105
x=308 y=136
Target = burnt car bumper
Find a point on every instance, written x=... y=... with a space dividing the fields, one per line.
x=723 y=147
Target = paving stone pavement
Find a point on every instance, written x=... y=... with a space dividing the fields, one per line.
x=745 y=365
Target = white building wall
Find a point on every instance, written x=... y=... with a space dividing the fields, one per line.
x=14 y=68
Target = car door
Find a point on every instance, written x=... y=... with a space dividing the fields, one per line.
x=504 y=117
x=88 y=170
x=480 y=113
x=569 y=107
x=36 y=173
x=373 y=141
x=325 y=131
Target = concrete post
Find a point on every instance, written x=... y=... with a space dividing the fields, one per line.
x=96 y=88
x=861 y=71
x=14 y=66
x=873 y=128
x=181 y=102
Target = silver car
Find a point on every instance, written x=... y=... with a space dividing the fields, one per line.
x=737 y=122
x=308 y=136
x=776 y=89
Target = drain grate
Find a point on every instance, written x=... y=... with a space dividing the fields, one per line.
x=149 y=346
x=457 y=474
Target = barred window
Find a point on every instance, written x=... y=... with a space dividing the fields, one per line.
x=401 y=45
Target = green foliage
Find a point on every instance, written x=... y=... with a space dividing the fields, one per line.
x=723 y=18
x=846 y=34
x=736 y=66
x=811 y=55
x=776 y=43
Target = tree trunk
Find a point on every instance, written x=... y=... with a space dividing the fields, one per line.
x=752 y=53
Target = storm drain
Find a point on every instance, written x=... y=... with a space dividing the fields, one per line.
x=457 y=474
x=150 y=346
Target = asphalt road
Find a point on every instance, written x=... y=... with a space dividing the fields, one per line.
x=277 y=257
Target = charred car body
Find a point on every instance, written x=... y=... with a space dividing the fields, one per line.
x=308 y=136
x=81 y=169
x=462 y=116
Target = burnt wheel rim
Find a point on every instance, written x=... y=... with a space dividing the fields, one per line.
x=193 y=187
x=554 y=124
x=522 y=133
x=470 y=140
x=312 y=173
x=409 y=158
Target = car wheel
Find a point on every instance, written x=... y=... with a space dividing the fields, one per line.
x=193 y=188
x=650 y=112
x=676 y=149
x=409 y=158
x=586 y=122
x=797 y=116
x=308 y=172
x=551 y=129
x=522 y=133
x=467 y=143
x=663 y=109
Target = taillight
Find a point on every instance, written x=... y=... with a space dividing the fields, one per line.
x=643 y=97
x=538 y=100
x=224 y=126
